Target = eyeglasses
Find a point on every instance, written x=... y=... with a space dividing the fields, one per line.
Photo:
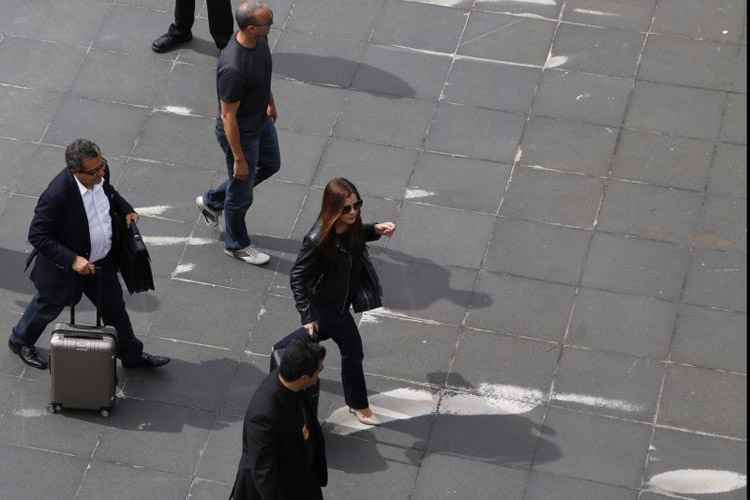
x=348 y=208
x=267 y=25
x=95 y=171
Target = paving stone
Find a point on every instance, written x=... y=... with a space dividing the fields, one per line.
x=401 y=73
x=458 y=249
x=419 y=26
x=701 y=19
x=277 y=318
x=633 y=15
x=521 y=307
x=124 y=27
x=717 y=279
x=344 y=18
x=705 y=400
x=734 y=122
x=40 y=167
x=300 y=155
x=475 y=132
x=595 y=50
x=25 y=113
x=208 y=490
x=383 y=120
x=275 y=207
x=21 y=477
x=317 y=59
x=375 y=170
x=126 y=483
x=635 y=266
x=649 y=212
x=76 y=22
x=608 y=384
x=190 y=88
x=491 y=85
x=14 y=223
x=507 y=38
x=596 y=448
x=165 y=241
x=458 y=183
x=675 y=110
x=729 y=172
x=723 y=225
x=695 y=63
x=222 y=452
x=550 y=487
x=605 y=321
x=545 y=9
x=538 y=250
x=32 y=63
x=711 y=339
x=16 y=160
x=241 y=387
x=305 y=108
x=585 y=97
x=570 y=146
x=551 y=197
x=444 y=476
x=659 y=159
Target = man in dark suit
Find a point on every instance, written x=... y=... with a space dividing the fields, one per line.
x=73 y=232
x=220 y=24
x=283 y=452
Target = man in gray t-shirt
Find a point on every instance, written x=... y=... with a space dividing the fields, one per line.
x=245 y=129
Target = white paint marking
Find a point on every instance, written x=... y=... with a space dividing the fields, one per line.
x=518 y=156
x=417 y=193
x=583 y=96
x=161 y=241
x=151 y=211
x=31 y=412
x=555 y=61
x=183 y=268
x=697 y=481
x=382 y=312
x=596 y=12
x=612 y=404
x=175 y=110
x=455 y=3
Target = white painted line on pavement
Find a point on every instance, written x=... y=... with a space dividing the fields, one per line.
x=697 y=481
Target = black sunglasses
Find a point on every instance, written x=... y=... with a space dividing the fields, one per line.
x=94 y=171
x=348 y=208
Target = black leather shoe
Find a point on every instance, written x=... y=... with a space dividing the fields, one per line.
x=169 y=41
x=28 y=355
x=147 y=361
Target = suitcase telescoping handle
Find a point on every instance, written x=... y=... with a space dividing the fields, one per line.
x=99 y=296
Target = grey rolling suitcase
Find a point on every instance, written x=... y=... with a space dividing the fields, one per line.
x=83 y=368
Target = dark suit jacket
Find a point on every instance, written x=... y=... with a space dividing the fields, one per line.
x=276 y=462
x=59 y=232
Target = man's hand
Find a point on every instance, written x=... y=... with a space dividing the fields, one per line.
x=241 y=169
x=272 y=112
x=385 y=228
x=312 y=328
x=83 y=266
x=131 y=218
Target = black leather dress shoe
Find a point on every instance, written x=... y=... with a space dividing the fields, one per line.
x=28 y=355
x=169 y=41
x=147 y=361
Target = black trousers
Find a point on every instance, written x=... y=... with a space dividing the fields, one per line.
x=220 y=19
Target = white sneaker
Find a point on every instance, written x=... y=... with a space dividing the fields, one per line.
x=210 y=216
x=249 y=255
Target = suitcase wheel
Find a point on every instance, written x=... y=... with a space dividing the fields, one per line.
x=104 y=412
x=54 y=408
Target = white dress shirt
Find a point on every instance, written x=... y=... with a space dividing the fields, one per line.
x=96 y=203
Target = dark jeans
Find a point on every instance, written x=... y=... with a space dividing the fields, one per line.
x=235 y=197
x=43 y=309
x=220 y=19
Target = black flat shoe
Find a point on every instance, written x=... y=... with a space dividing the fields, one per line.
x=28 y=355
x=148 y=361
x=169 y=41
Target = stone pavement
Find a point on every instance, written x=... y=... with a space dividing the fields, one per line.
x=566 y=291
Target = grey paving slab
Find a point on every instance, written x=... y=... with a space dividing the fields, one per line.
x=723 y=225
x=208 y=490
x=729 y=172
x=444 y=477
x=221 y=455
x=75 y=22
x=537 y=250
x=675 y=110
x=420 y=26
x=383 y=120
x=25 y=113
x=636 y=266
x=275 y=207
x=184 y=86
x=663 y=160
x=475 y=132
x=705 y=400
x=596 y=448
x=518 y=306
x=401 y=73
x=734 y=122
x=14 y=223
x=486 y=358
x=636 y=325
x=701 y=19
x=344 y=18
x=459 y=249
x=300 y=155
x=551 y=487
x=21 y=477
x=43 y=165
x=566 y=145
x=649 y=212
x=16 y=156
x=507 y=38
x=128 y=483
x=381 y=171
x=32 y=63
x=552 y=197
x=595 y=50
x=520 y=7
x=241 y=386
x=491 y=85
x=724 y=348
x=717 y=279
x=165 y=241
x=634 y=15
x=277 y=318
x=131 y=30
x=306 y=108
x=458 y=182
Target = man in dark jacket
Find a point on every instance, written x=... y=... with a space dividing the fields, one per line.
x=283 y=452
x=74 y=233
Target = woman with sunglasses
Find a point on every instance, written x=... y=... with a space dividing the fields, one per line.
x=333 y=272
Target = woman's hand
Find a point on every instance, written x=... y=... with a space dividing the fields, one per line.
x=312 y=328
x=385 y=228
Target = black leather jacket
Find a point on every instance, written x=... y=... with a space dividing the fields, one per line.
x=317 y=278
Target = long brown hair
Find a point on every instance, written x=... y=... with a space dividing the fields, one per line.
x=335 y=194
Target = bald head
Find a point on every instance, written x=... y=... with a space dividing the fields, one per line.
x=253 y=13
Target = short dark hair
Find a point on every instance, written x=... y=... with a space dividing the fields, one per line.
x=300 y=358
x=246 y=14
x=79 y=150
